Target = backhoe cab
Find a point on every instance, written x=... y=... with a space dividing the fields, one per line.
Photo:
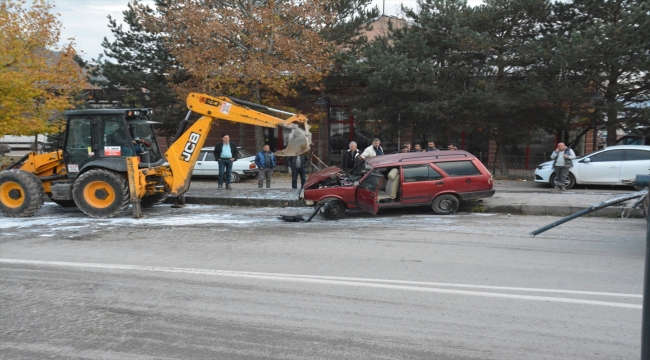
x=110 y=158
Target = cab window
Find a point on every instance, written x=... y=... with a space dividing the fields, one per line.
x=116 y=140
x=79 y=142
x=420 y=173
x=459 y=168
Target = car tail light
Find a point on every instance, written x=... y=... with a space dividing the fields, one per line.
x=252 y=166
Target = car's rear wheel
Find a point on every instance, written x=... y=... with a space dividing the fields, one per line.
x=333 y=210
x=235 y=178
x=569 y=183
x=445 y=204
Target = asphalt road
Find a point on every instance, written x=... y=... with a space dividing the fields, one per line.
x=215 y=282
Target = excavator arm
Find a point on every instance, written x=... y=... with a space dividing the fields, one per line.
x=183 y=153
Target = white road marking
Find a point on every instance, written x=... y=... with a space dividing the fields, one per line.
x=359 y=282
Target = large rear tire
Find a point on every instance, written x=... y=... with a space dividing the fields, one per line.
x=101 y=193
x=152 y=200
x=21 y=193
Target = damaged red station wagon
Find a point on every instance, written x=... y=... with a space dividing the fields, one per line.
x=441 y=179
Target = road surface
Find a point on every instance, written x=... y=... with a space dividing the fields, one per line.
x=217 y=282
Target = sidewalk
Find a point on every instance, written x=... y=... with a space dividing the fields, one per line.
x=512 y=197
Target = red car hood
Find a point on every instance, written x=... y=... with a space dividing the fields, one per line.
x=320 y=175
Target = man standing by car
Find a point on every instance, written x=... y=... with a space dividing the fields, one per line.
x=372 y=150
x=298 y=165
x=349 y=158
x=562 y=156
x=265 y=161
x=225 y=153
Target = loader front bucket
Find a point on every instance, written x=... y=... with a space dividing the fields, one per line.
x=299 y=142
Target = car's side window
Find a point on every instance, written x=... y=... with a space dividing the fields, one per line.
x=420 y=173
x=209 y=156
x=633 y=155
x=614 y=155
x=459 y=168
x=371 y=182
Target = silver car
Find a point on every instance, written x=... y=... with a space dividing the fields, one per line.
x=614 y=165
x=243 y=167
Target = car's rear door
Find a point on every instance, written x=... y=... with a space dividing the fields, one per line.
x=603 y=167
x=366 y=193
x=420 y=184
x=464 y=176
x=635 y=162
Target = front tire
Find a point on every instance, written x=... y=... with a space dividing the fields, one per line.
x=333 y=210
x=21 y=193
x=234 y=178
x=569 y=183
x=101 y=193
x=445 y=204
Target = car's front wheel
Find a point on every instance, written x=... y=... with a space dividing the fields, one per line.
x=235 y=178
x=569 y=183
x=333 y=209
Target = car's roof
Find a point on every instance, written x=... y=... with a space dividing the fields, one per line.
x=419 y=157
x=638 y=147
x=211 y=148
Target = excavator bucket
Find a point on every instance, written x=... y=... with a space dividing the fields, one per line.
x=299 y=142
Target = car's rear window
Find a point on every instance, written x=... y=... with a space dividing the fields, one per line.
x=632 y=155
x=459 y=168
x=420 y=173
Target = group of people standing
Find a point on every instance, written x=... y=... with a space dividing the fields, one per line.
x=226 y=153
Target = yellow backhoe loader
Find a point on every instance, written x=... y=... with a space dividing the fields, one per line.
x=110 y=158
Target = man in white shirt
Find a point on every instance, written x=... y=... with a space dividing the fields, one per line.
x=372 y=150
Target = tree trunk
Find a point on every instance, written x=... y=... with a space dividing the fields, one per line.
x=259 y=130
x=612 y=125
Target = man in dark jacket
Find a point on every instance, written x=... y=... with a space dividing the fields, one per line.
x=225 y=153
x=349 y=158
x=265 y=162
x=298 y=165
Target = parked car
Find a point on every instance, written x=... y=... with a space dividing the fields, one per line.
x=610 y=166
x=244 y=166
x=440 y=179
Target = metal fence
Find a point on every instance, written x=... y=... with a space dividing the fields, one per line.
x=517 y=161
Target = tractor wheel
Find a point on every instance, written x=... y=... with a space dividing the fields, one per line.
x=101 y=193
x=21 y=193
x=152 y=200
x=445 y=204
x=333 y=210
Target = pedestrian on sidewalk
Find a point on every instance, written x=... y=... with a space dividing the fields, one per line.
x=418 y=148
x=265 y=162
x=372 y=150
x=349 y=158
x=431 y=146
x=225 y=152
x=562 y=156
x=298 y=165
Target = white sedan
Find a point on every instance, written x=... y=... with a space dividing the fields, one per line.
x=244 y=166
x=613 y=165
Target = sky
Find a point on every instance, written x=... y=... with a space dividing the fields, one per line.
x=86 y=20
